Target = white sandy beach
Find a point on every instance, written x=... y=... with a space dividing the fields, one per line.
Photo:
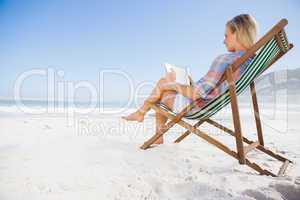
x=97 y=156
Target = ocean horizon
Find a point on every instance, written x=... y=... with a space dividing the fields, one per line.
x=63 y=104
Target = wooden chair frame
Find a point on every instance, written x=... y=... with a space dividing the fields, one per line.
x=242 y=150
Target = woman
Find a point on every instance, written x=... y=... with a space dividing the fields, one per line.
x=240 y=35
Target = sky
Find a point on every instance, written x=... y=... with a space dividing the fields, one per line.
x=127 y=41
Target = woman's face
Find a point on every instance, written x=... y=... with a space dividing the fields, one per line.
x=230 y=40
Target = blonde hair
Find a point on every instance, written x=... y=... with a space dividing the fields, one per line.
x=245 y=27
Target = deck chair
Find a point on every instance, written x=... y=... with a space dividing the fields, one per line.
x=272 y=46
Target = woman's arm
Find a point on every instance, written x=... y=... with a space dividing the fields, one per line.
x=188 y=91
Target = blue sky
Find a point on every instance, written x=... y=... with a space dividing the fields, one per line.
x=83 y=38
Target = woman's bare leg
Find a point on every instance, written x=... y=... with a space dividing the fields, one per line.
x=168 y=100
x=155 y=96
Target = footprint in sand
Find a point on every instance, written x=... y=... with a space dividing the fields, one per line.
x=282 y=152
x=188 y=163
x=189 y=179
x=47 y=127
x=262 y=194
x=266 y=164
x=200 y=170
x=288 y=191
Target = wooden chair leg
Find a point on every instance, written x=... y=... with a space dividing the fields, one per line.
x=224 y=148
x=155 y=137
x=259 y=147
x=180 y=138
x=160 y=132
x=236 y=116
x=256 y=114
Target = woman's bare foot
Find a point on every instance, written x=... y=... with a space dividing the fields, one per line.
x=135 y=116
